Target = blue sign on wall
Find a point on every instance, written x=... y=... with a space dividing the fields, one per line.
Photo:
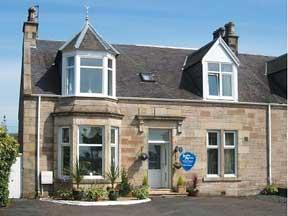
x=187 y=159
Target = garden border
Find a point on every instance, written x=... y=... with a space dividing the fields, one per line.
x=97 y=203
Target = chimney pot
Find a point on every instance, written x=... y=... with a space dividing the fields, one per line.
x=32 y=14
x=231 y=38
x=230 y=29
x=218 y=33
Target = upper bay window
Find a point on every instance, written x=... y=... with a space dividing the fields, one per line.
x=220 y=80
x=88 y=74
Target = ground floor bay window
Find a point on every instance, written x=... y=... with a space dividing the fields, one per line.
x=221 y=147
x=90 y=152
x=95 y=152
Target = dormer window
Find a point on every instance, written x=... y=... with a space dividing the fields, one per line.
x=89 y=65
x=220 y=79
x=89 y=73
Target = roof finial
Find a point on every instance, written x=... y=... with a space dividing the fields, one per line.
x=87 y=13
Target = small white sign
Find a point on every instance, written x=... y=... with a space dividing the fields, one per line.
x=46 y=177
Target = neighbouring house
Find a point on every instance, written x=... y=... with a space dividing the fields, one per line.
x=105 y=104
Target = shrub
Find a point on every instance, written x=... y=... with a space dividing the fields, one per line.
x=145 y=181
x=8 y=154
x=180 y=181
x=64 y=194
x=112 y=175
x=95 y=193
x=271 y=189
x=124 y=187
x=141 y=192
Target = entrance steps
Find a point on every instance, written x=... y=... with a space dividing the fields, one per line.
x=164 y=192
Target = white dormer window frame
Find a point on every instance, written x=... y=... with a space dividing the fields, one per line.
x=107 y=69
x=213 y=58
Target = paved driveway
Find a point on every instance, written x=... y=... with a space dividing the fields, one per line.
x=200 y=206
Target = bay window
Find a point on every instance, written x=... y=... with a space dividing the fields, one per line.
x=64 y=152
x=114 y=147
x=88 y=74
x=220 y=80
x=70 y=75
x=90 y=152
x=91 y=75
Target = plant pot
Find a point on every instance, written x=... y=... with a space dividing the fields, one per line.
x=181 y=189
x=113 y=195
x=143 y=156
x=193 y=192
x=177 y=165
x=77 y=194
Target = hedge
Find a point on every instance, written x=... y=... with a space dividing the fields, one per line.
x=8 y=153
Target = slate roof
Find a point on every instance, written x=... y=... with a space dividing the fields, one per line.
x=165 y=63
x=88 y=39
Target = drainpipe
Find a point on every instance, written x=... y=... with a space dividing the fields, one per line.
x=269 y=145
x=38 y=143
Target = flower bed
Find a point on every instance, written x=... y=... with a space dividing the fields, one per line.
x=120 y=201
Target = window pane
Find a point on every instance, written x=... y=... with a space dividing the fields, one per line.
x=154 y=157
x=90 y=160
x=113 y=135
x=65 y=160
x=70 y=61
x=229 y=139
x=212 y=156
x=213 y=67
x=227 y=85
x=109 y=82
x=70 y=81
x=213 y=84
x=110 y=63
x=90 y=135
x=158 y=135
x=65 y=135
x=91 y=62
x=212 y=138
x=113 y=159
x=229 y=157
x=91 y=80
x=226 y=67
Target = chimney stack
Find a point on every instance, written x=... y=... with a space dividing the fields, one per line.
x=218 y=33
x=30 y=27
x=230 y=37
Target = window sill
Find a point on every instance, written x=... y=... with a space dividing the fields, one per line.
x=221 y=179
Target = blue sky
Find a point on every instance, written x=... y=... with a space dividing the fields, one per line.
x=261 y=25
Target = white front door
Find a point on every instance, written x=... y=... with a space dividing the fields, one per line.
x=158 y=161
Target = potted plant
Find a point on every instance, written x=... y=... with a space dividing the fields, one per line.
x=112 y=175
x=192 y=186
x=143 y=156
x=181 y=187
x=124 y=187
x=177 y=165
x=77 y=177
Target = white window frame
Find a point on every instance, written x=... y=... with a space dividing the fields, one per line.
x=93 y=145
x=60 y=145
x=220 y=74
x=115 y=145
x=230 y=147
x=77 y=72
x=218 y=147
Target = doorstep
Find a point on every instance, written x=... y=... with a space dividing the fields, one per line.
x=164 y=192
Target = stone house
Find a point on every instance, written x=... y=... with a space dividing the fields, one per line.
x=101 y=104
